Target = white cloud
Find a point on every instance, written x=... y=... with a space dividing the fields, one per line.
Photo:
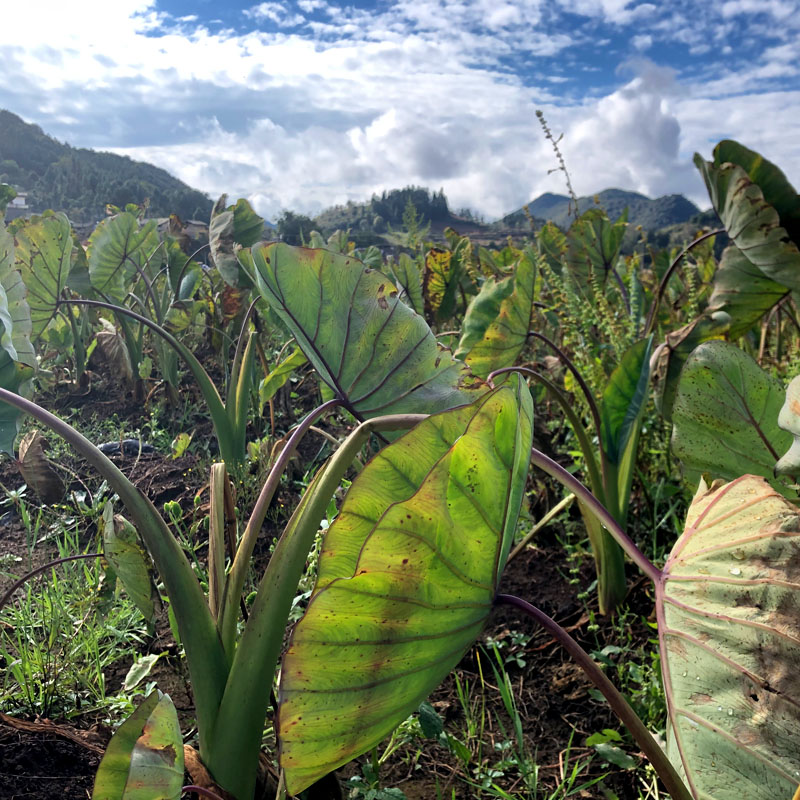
x=418 y=91
x=279 y=13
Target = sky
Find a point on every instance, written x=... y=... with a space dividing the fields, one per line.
x=305 y=104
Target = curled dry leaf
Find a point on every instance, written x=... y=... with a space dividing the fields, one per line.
x=37 y=470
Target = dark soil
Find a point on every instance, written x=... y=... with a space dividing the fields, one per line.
x=41 y=766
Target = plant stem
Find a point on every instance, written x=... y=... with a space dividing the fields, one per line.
x=592 y=504
x=662 y=286
x=232 y=754
x=229 y=607
x=562 y=505
x=657 y=757
x=34 y=572
x=567 y=362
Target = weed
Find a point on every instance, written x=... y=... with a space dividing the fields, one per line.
x=61 y=635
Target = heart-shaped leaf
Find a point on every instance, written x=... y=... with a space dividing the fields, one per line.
x=118 y=250
x=752 y=222
x=729 y=629
x=367 y=345
x=144 y=759
x=726 y=415
x=593 y=245
x=407 y=577
x=497 y=321
x=44 y=257
x=743 y=291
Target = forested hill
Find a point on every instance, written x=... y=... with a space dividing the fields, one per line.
x=81 y=182
x=387 y=210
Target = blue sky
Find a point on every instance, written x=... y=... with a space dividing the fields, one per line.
x=306 y=103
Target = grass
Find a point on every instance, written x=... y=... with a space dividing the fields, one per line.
x=62 y=633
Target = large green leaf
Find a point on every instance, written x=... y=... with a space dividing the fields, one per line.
x=729 y=629
x=230 y=229
x=497 y=322
x=593 y=246
x=725 y=415
x=752 y=222
x=670 y=356
x=118 y=250
x=367 y=345
x=743 y=291
x=144 y=759
x=406 y=581
x=624 y=399
x=17 y=357
x=43 y=253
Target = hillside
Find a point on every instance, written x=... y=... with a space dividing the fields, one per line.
x=386 y=210
x=650 y=214
x=370 y=222
x=81 y=182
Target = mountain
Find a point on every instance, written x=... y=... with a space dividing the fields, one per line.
x=81 y=182
x=650 y=214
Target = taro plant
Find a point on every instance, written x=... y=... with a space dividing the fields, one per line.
x=375 y=354
x=132 y=268
x=409 y=570
x=758 y=271
x=401 y=588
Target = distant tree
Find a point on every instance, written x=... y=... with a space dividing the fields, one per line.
x=294 y=228
x=7 y=194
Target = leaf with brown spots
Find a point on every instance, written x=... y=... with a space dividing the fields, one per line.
x=725 y=416
x=144 y=759
x=407 y=577
x=758 y=207
x=373 y=351
x=439 y=283
x=728 y=609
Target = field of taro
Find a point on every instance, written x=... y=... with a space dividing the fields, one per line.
x=446 y=522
